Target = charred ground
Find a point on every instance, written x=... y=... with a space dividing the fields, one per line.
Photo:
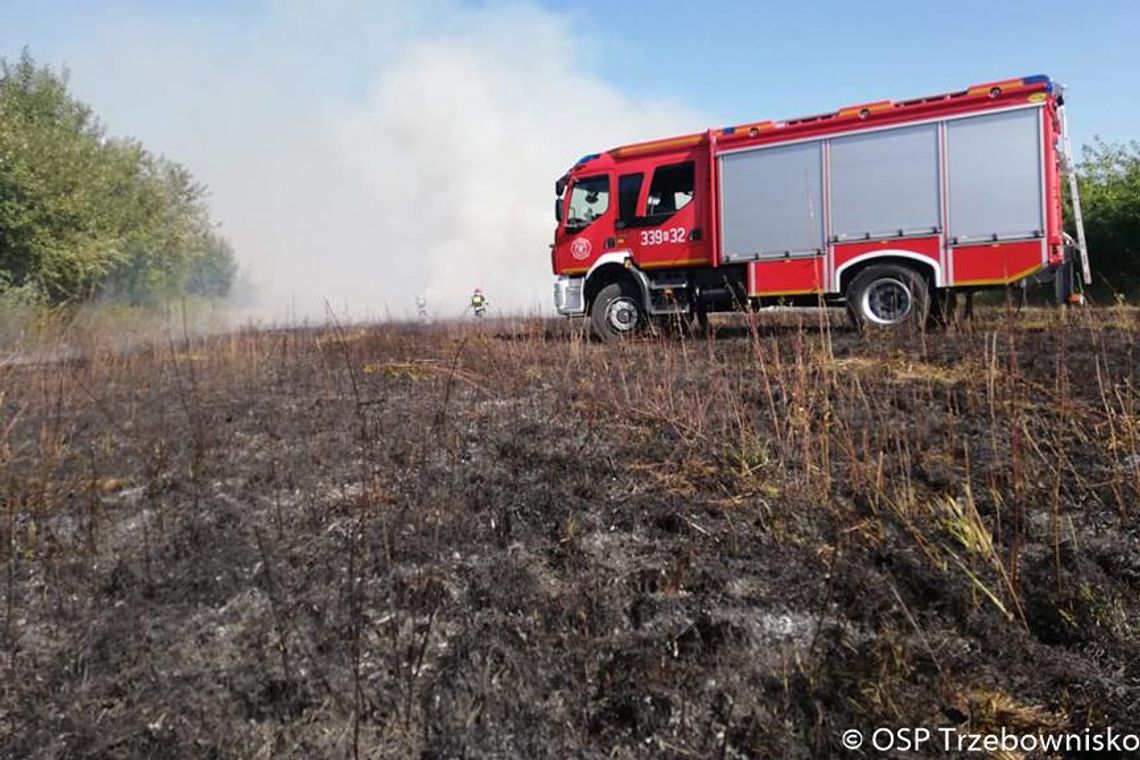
x=502 y=540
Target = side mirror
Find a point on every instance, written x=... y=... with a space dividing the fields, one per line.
x=558 y=210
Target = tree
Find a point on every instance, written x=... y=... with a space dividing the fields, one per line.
x=213 y=270
x=83 y=214
x=1109 y=181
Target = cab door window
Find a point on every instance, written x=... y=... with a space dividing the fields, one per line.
x=671 y=191
x=589 y=200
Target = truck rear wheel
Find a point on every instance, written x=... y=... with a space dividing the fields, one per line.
x=889 y=296
x=616 y=312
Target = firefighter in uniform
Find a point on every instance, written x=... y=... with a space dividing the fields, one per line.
x=479 y=302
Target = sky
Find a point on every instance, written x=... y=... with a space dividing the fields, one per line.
x=749 y=60
x=360 y=153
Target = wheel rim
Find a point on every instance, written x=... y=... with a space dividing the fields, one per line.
x=621 y=315
x=887 y=301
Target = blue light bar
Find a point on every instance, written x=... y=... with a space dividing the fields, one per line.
x=1039 y=79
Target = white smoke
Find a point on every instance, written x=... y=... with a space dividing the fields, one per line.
x=365 y=153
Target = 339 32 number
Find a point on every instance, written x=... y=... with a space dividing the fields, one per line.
x=660 y=237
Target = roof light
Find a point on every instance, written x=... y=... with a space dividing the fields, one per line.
x=1038 y=79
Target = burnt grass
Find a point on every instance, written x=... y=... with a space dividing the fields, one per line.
x=503 y=540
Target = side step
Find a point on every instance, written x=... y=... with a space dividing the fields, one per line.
x=669 y=294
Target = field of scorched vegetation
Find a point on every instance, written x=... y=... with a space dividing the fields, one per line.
x=504 y=540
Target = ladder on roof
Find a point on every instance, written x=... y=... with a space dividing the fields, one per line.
x=1075 y=195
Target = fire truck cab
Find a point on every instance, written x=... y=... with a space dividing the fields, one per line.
x=887 y=208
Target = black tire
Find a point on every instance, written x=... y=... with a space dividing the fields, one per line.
x=889 y=297
x=617 y=312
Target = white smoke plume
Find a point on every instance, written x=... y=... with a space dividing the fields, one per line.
x=366 y=153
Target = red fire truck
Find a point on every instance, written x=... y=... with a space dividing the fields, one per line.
x=888 y=208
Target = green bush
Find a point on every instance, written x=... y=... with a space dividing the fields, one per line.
x=1109 y=180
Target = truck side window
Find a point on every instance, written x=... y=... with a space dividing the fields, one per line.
x=589 y=200
x=671 y=191
x=629 y=189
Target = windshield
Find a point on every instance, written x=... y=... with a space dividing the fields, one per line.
x=589 y=199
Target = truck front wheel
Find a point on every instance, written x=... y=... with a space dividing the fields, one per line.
x=616 y=312
x=888 y=296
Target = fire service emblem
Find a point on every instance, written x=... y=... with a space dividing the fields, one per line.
x=580 y=249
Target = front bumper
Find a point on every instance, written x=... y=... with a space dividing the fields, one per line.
x=568 y=296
